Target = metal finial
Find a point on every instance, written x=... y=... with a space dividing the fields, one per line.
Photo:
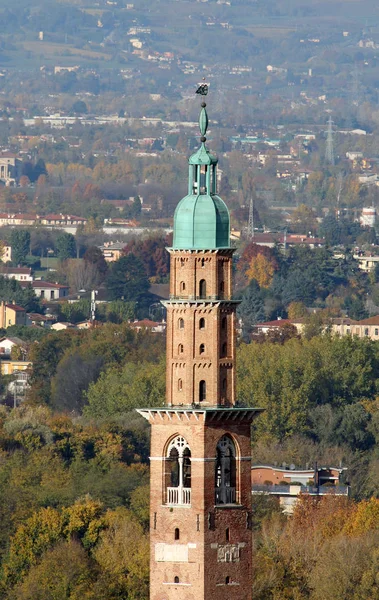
x=203 y=122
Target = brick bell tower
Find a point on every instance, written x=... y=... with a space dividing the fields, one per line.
x=200 y=499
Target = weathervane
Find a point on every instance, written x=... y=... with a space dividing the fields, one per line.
x=202 y=90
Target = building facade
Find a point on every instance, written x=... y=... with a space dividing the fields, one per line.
x=200 y=505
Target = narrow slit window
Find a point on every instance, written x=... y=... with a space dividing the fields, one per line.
x=227 y=580
x=181 y=323
x=180 y=385
x=227 y=534
x=202 y=323
x=180 y=349
x=182 y=286
x=202 y=390
x=177 y=533
x=202 y=288
x=202 y=349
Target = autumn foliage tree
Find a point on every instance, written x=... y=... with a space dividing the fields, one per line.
x=259 y=263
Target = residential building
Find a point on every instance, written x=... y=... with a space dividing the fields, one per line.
x=50 y=291
x=12 y=314
x=200 y=498
x=10 y=169
x=8 y=343
x=7 y=254
x=61 y=325
x=366 y=263
x=26 y=220
x=288 y=483
x=112 y=250
x=153 y=326
x=38 y=320
x=12 y=367
x=60 y=220
x=22 y=274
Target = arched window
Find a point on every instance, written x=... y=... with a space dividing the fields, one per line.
x=202 y=288
x=202 y=323
x=181 y=323
x=223 y=323
x=178 y=473
x=180 y=385
x=202 y=390
x=227 y=580
x=182 y=262
x=182 y=286
x=180 y=349
x=225 y=475
x=224 y=350
x=202 y=349
x=176 y=579
x=177 y=534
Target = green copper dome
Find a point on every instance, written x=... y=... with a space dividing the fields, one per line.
x=201 y=220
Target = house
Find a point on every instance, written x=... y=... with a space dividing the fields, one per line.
x=60 y=325
x=288 y=483
x=84 y=325
x=38 y=320
x=153 y=326
x=112 y=250
x=10 y=169
x=366 y=263
x=19 y=273
x=60 y=220
x=49 y=291
x=277 y=325
x=12 y=314
x=18 y=219
x=7 y=253
x=8 y=343
x=11 y=367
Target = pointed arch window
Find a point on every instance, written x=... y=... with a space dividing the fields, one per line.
x=178 y=472
x=225 y=475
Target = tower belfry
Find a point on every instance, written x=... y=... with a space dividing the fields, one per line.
x=200 y=498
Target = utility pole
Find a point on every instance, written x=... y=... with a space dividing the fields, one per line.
x=250 y=229
x=329 y=152
x=93 y=305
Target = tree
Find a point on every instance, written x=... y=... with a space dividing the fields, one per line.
x=296 y=310
x=79 y=107
x=127 y=278
x=72 y=379
x=64 y=572
x=20 y=244
x=303 y=220
x=119 y=391
x=251 y=309
x=93 y=255
x=65 y=246
x=262 y=270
